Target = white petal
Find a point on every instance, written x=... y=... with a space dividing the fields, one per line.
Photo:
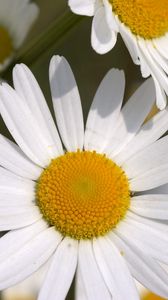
x=161 y=45
x=23 y=126
x=91 y=277
x=61 y=271
x=114 y=270
x=149 y=133
x=142 y=266
x=130 y=42
x=67 y=105
x=80 y=291
x=18 y=220
x=104 y=110
x=15 y=190
x=157 y=56
x=29 y=258
x=81 y=7
x=23 y=18
x=149 y=158
x=151 y=223
x=18 y=16
x=145 y=69
x=150 y=179
x=18 y=190
x=153 y=241
x=161 y=99
x=29 y=90
x=14 y=240
x=151 y=206
x=156 y=70
x=158 y=75
x=103 y=39
x=131 y=117
x=12 y=158
x=110 y=16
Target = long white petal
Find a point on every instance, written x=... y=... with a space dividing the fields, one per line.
x=61 y=271
x=92 y=279
x=130 y=41
x=161 y=226
x=103 y=39
x=161 y=98
x=110 y=16
x=80 y=290
x=80 y=7
x=114 y=270
x=29 y=258
x=14 y=240
x=67 y=104
x=149 y=133
x=18 y=220
x=12 y=158
x=14 y=190
x=142 y=266
x=104 y=110
x=154 y=66
x=149 y=158
x=153 y=241
x=23 y=18
x=132 y=116
x=29 y=90
x=157 y=56
x=150 y=179
x=151 y=206
x=23 y=126
x=161 y=45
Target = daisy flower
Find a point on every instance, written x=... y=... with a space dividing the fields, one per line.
x=93 y=207
x=16 y=19
x=143 y=26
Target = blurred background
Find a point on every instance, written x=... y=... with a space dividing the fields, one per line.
x=58 y=31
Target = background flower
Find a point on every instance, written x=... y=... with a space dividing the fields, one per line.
x=143 y=27
x=16 y=19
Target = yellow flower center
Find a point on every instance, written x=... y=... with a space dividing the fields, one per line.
x=146 y=18
x=83 y=194
x=6 y=44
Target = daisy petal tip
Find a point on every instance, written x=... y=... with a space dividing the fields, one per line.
x=54 y=62
x=35 y=10
x=98 y=48
x=86 y=8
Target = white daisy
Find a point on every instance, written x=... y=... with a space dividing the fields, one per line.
x=16 y=19
x=91 y=211
x=143 y=26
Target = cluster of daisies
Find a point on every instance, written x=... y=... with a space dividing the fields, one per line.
x=89 y=203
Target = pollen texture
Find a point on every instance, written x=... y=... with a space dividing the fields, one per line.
x=6 y=47
x=145 y=18
x=83 y=194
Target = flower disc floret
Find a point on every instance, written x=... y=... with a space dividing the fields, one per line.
x=146 y=18
x=83 y=194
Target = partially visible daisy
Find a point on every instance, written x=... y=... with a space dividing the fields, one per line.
x=16 y=19
x=143 y=25
x=90 y=207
